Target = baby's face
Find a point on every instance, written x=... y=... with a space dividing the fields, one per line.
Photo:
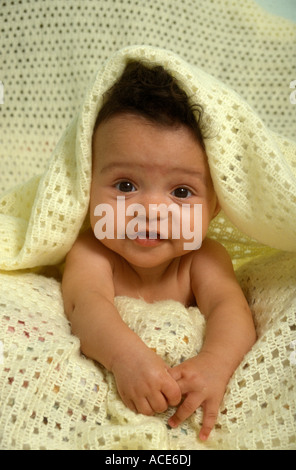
x=141 y=163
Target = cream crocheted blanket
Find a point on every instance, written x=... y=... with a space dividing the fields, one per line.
x=51 y=397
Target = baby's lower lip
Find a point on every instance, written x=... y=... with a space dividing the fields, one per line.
x=144 y=240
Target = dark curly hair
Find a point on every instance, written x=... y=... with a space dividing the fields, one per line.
x=154 y=94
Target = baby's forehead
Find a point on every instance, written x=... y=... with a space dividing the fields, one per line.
x=131 y=143
x=123 y=121
x=119 y=125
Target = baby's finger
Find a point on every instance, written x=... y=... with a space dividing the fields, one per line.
x=189 y=405
x=175 y=372
x=129 y=404
x=158 y=402
x=143 y=406
x=210 y=413
x=171 y=391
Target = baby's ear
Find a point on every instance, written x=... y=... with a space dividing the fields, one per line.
x=217 y=208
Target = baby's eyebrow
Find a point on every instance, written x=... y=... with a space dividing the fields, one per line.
x=114 y=166
x=188 y=171
x=192 y=172
x=176 y=169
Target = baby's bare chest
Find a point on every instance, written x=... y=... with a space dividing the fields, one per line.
x=175 y=284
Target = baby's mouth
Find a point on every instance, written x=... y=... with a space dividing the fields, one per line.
x=144 y=235
x=148 y=239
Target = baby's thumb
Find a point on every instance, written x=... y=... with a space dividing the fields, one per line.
x=171 y=390
x=175 y=373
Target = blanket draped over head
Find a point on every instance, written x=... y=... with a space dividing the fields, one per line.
x=51 y=396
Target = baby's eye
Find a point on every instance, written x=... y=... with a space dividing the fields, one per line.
x=182 y=192
x=125 y=186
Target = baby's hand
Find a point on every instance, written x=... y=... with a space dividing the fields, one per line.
x=144 y=382
x=203 y=384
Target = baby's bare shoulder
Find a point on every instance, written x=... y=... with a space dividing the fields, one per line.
x=212 y=274
x=87 y=247
x=211 y=261
x=89 y=259
x=88 y=267
x=211 y=250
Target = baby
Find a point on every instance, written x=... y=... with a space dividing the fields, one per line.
x=148 y=152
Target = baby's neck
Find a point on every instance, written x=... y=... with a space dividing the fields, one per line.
x=155 y=274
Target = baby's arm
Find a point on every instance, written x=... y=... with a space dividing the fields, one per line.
x=230 y=334
x=142 y=377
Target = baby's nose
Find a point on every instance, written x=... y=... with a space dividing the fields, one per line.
x=152 y=201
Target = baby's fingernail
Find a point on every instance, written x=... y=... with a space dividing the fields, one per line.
x=172 y=423
x=203 y=436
